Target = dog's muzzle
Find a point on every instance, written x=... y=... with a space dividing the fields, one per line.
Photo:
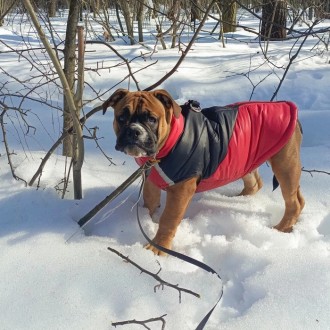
x=137 y=140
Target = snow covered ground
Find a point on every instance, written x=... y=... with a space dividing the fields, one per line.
x=55 y=275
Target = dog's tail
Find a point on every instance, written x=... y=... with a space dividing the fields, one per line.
x=275 y=183
x=300 y=126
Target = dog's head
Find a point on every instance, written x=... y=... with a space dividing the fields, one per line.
x=142 y=120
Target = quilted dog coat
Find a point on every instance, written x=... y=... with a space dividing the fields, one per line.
x=222 y=144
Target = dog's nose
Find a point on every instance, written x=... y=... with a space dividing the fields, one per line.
x=134 y=132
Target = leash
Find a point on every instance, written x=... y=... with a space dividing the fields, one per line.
x=183 y=257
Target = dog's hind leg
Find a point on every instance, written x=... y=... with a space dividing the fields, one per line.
x=286 y=166
x=252 y=183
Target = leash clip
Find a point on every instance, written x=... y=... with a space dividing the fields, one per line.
x=150 y=163
x=194 y=106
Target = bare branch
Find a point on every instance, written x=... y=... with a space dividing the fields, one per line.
x=62 y=186
x=162 y=283
x=292 y=58
x=93 y=136
x=6 y=145
x=143 y=323
x=125 y=60
x=315 y=171
x=185 y=52
x=58 y=143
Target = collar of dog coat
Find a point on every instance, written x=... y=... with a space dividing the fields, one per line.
x=177 y=126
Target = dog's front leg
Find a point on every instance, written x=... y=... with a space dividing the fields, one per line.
x=177 y=201
x=151 y=196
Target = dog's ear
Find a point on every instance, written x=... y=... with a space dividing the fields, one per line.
x=168 y=102
x=114 y=98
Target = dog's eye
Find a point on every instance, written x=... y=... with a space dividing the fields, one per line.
x=151 y=120
x=121 y=119
x=123 y=116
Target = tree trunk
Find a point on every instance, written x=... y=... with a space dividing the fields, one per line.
x=126 y=10
x=195 y=13
x=69 y=70
x=221 y=33
x=5 y=7
x=140 y=17
x=174 y=35
x=174 y=16
x=77 y=164
x=72 y=146
x=51 y=7
x=310 y=13
x=2 y=11
x=273 y=26
x=95 y=5
x=229 y=12
x=118 y=19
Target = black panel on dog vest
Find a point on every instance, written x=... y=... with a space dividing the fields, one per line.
x=203 y=144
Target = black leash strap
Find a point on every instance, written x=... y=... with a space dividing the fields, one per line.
x=185 y=258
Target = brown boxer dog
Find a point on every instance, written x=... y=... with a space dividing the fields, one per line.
x=143 y=122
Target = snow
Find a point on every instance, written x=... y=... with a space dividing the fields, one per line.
x=55 y=275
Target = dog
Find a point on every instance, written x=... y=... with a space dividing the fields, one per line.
x=198 y=150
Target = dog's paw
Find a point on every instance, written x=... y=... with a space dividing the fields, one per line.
x=283 y=229
x=155 y=250
x=163 y=242
x=152 y=209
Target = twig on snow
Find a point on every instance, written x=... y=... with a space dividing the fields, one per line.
x=162 y=283
x=143 y=323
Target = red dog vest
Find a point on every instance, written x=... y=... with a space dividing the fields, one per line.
x=222 y=144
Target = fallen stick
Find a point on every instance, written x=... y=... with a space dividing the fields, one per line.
x=86 y=218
